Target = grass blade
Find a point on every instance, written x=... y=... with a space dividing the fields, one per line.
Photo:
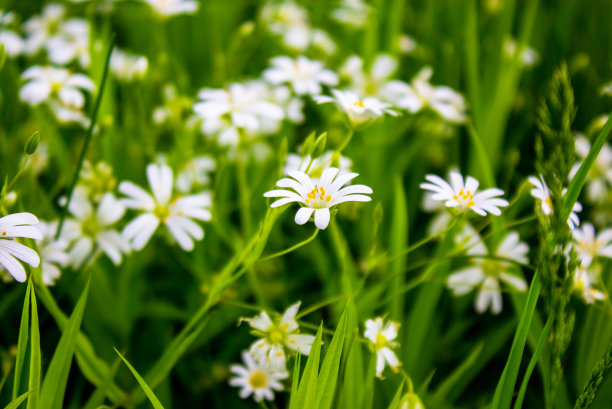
x=35 y=365
x=308 y=386
x=398 y=396
x=505 y=387
x=54 y=384
x=152 y=398
x=18 y=401
x=22 y=343
x=296 y=379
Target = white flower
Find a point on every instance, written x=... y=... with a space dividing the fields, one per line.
x=382 y=337
x=465 y=197
x=406 y=44
x=305 y=76
x=13 y=226
x=371 y=82
x=540 y=191
x=52 y=252
x=276 y=336
x=352 y=13
x=167 y=8
x=590 y=246
x=128 y=67
x=358 y=110
x=256 y=378
x=94 y=227
x=242 y=107
x=317 y=165
x=528 y=57
x=45 y=84
x=163 y=207
x=12 y=42
x=420 y=94
x=599 y=178
x=195 y=173
x=319 y=197
x=486 y=273
x=70 y=43
x=39 y=29
x=583 y=284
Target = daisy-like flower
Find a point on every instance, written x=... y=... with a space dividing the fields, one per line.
x=487 y=273
x=70 y=43
x=317 y=165
x=276 y=335
x=39 y=29
x=420 y=94
x=372 y=81
x=583 y=284
x=128 y=67
x=540 y=191
x=94 y=227
x=256 y=378
x=48 y=83
x=53 y=253
x=13 y=44
x=305 y=76
x=358 y=110
x=320 y=196
x=353 y=13
x=381 y=336
x=168 y=8
x=176 y=212
x=195 y=173
x=599 y=178
x=590 y=245
x=465 y=197
x=14 y=226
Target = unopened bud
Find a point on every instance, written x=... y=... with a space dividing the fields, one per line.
x=319 y=145
x=32 y=143
x=411 y=401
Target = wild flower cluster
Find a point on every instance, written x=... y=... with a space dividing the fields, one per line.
x=135 y=157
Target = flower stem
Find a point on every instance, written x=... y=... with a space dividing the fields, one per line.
x=346 y=140
x=290 y=249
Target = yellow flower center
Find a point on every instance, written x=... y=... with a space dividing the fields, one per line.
x=381 y=341
x=161 y=212
x=359 y=104
x=318 y=198
x=90 y=227
x=278 y=334
x=463 y=197
x=258 y=380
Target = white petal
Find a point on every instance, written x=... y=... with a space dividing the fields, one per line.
x=321 y=218
x=303 y=214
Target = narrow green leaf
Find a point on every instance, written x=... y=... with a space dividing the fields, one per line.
x=308 y=386
x=18 y=401
x=296 y=380
x=458 y=374
x=22 y=343
x=328 y=377
x=505 y=387
x=518 y=404
x=54 y=384
x=35 y=365
x=398 y=241
x=97 y=398
x=397 y=398
x=575 y=186
x=152 y=398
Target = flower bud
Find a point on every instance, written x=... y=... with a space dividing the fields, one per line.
x=411 y=401
x=32 y=143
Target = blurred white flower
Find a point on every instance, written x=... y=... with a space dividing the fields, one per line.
x=39 y=29
x=486 y=273
x=256 y=378
x=420 y=94
x=276 y=336
x=528 y=57
x=588 y=245
x=305 y=76
x=195 y=174
x=44 y=84
x=12 y=42
x=70 y=43
x=352 y=13
x=316 y=166
x=373 y=81
x=240 y=108
x=53 y=253
x=167 y=8
x=465 y=197
x=128 y=67
x=540 y=191
x=92 y=228
x=583 y=284
x=14 y=226
x=319 y=197
x=599 y=178
x=406 y=44
x=359 y=111
x=381 y=336
x=175 y=211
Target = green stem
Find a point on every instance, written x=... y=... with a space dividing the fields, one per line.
x=292 y=248
x=94 y=117
x=346 y=140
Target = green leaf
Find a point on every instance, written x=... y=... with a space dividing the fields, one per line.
x=296 y=379
x=18 y=401
x=308 y=386
x=152 y=398
x=22 y=343
x=397 y=397
x=54 y=384
x=328 y=377
x=505 y=387
x=97 y=398
x=532 y=363
x=398 y=242
x=35 y=370
x=575 y=186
